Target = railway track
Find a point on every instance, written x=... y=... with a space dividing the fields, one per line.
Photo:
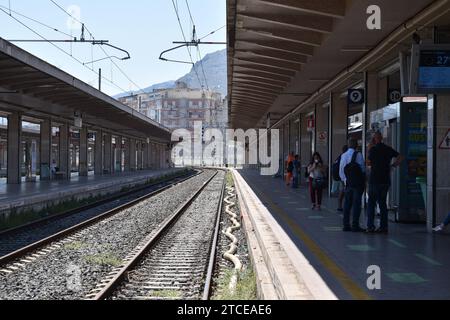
x=178 y=260
x=18 y=241
x=92 y=250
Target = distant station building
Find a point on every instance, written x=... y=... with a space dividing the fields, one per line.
x=54 y=126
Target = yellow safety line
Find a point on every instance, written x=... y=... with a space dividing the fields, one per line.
x=340 y=275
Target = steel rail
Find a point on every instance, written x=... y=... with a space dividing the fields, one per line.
x=59 y=235
x=94 y=204
x=214 y=246
x=109 y=287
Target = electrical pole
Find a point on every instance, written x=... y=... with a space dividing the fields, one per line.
x=100 y=79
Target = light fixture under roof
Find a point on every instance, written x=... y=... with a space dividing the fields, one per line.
x=413 y=99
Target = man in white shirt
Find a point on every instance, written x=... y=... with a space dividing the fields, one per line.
x=353 y=194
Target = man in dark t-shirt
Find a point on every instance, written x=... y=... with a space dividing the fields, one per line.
x=380 y=159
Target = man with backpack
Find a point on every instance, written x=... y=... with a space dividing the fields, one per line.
x=352 y=172
x=338 y=184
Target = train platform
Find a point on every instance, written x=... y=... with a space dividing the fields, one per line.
x=328 y=262
x=14 y=198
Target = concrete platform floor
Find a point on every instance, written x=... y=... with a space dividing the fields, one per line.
x=17 y=193
x=414 y=264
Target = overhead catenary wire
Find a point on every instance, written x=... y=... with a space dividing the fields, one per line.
x=121 y=71
x=103 y=49
x=203 y=68
x=59 y=48
x=194 y=33
x=61 y=32
x=185 y=40
x=11 y=12
x=198 y=49
x=190 y=13
x=212 y=32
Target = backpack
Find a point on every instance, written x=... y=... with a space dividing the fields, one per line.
x=336 y=169
x=354 y=174
x=290 y=167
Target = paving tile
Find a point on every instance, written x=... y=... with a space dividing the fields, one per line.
x=332 y=229
x=316 y=217
x=409 y=278
x=428 y=259
x=396 y=243
x=361 y=247
x=411 y=259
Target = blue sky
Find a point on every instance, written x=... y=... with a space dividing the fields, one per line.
x=143 y=27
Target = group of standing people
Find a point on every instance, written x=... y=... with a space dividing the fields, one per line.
x=315 y=173
x=352 y=174
x=293 y=168
x=382 y=159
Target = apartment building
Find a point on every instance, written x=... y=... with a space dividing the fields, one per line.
x=181 y=107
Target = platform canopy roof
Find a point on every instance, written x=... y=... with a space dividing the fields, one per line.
x=39 y=89
x=281 y=52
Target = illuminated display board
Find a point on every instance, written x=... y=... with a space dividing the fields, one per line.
x=431 y=69
x=434 y=70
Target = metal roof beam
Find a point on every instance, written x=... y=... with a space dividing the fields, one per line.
x=252 y=92
x=329 y=8
x=272 y=70
x=308 y=38
x=280 y=46
x=249 y=106
x=259 y=82
x=261 y=72
x=302 y=22
x=258 y=75
x=275 y=55
x=257 y=88
x=251 y=97
x=289 y=66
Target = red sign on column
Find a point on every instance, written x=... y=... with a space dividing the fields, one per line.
x=311 y=124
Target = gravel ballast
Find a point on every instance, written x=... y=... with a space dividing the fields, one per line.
x=70 y=269
x=22 y=237
x=175 y=268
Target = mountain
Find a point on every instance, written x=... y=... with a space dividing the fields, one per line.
x=162 y=85
x=215 y=66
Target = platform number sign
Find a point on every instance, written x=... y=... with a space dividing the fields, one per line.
x=355 y=96
x=394 y=96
